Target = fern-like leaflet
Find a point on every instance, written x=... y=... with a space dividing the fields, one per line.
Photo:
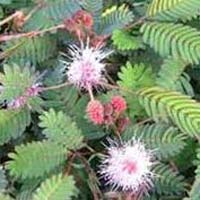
x=167 y=181
x=36 y=159
x=56 y=187
x=59 y=128
x=172 y=10
x=115 y=18
x=165 y=140
x=13 y=124
x=124 y=41
x=171 y=76
x=30 y=50
x=176 y=40
x=182 y=110
x=134 y=77
x=51 y=14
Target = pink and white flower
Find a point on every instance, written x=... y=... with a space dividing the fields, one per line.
x=86 y=69
x=18 y=102
x=21 y=101
x=128 y=167
x=34 y=90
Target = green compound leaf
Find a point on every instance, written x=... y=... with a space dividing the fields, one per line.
x=35 y=159
x=165 y=140
x=181 y=109
x=15 y=81
x=61 y=129
x=135 y=76
x=58 y=187
x=167 y=181
x=115 y=18
x=171 y=76
x=30 y=49
x=172 y=10
x=13 y=123
x=51 y=14
x=176 y=40
x=124 y=41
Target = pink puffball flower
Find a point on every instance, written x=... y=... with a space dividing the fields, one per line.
x=21 y=101
x=128 y=167
x=86 y=69
x=18 y=102
x=95 y=112
x=119 y=104
x=33 y=91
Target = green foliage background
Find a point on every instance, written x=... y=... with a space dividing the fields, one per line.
x=49 y=149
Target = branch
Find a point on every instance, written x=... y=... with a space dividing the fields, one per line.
x=91 y=173
x=9 y=18
x=138 y=22
x=116 y=87
x=31 y=33
x=55 y=87
x=19 y=13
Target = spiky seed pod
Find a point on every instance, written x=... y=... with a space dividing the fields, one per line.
x=119 y=104
x=95 y=112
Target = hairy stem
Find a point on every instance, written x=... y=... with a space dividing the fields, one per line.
x=9 y=18
x=31 y=33
x=55 y=87
x=90 y=93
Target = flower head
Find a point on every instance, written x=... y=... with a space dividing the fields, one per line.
x=128 y=167
x=34 y=90
x=95 y=112
x=22 y=100
x=118 y=103
x=86 y=69
x=80 y=24
x=18 y=102
x=83 y=18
